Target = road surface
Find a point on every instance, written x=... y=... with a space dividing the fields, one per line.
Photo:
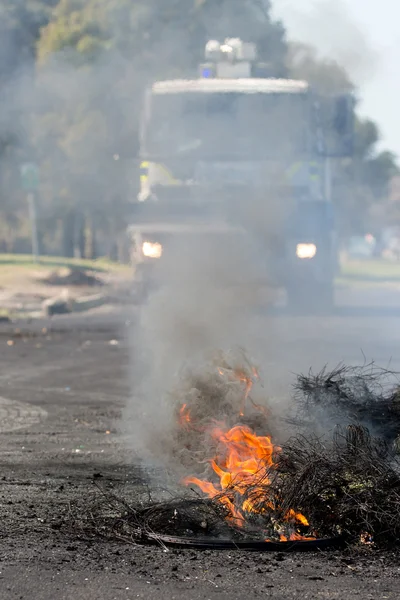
x=63 y=386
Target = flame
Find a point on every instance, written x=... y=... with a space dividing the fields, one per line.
x=243 y=464
x=295 y=537
x=184 y=416
x=242 y=459
x=292 y=515
x=248 y=381
x=241 y=376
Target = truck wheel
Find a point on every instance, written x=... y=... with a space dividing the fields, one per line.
x=312 y=299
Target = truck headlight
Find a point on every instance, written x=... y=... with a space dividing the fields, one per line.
x=152 y=249
x=305 y=251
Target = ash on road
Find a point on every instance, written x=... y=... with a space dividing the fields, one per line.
x=62 y=389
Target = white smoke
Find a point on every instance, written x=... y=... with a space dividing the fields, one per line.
x=204 y=304
x=328 y=26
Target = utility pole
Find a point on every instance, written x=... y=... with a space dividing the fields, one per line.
x=30 y=183
x=328 y=179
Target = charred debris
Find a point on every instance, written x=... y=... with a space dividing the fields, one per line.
x=336 y=477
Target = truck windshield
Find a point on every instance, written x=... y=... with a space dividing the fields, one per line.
x=218 y=124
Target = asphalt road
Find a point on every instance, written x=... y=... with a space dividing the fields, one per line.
x=364 y=327
x=63 y=385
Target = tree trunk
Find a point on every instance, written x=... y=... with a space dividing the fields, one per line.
x=112 y=253
x=123 y=249
x=91 y=244
x=80 y=236
x=68 y=225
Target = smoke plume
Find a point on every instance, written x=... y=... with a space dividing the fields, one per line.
x=328 y=26
x=205 y=304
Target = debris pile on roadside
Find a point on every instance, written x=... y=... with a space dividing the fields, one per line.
x=73 y=277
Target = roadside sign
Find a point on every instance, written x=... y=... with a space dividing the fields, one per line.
x=29 y=177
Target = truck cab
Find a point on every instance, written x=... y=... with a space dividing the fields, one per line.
x=237 y=153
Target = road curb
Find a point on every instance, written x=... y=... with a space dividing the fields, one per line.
x=88 y=302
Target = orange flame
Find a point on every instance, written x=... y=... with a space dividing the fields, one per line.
x=244 y=456
x=243 y=464
x=292 y=515
x=295 y=537
x=184 y=416
x=241 y=376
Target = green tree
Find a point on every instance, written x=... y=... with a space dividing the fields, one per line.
x=362 y=182
x=363 y=187
x=161 y=36
x=20 y=25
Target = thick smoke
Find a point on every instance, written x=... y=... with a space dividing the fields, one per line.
x=74 y=120
x=211 y=281
x=327 y=26
x=77 y=123
x=205 y=304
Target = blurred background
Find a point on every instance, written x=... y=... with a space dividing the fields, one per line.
x=73 y=74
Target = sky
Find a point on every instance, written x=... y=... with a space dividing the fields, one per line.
x=364 y=35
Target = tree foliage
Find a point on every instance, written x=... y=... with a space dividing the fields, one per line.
x=363 y=182
x=113 y=48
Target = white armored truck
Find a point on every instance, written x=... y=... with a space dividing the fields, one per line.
x=237 y=152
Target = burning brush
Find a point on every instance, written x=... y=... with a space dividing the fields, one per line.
x=244 y=464
x=221 y=416
x=220 y=395
x=309 y=491
x=342 y=483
